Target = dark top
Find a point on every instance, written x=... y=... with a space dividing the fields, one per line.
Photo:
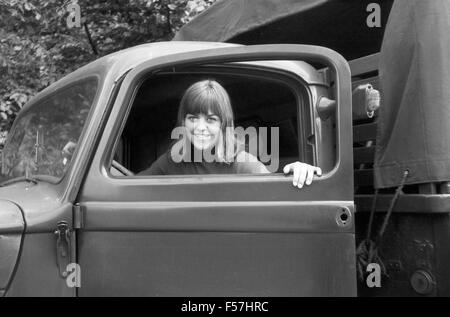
x=164 y=165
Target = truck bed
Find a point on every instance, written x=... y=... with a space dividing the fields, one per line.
x=414 y=247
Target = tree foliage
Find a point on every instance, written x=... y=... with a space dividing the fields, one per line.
x=37 y=47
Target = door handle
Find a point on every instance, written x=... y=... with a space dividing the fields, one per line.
x=63 y=251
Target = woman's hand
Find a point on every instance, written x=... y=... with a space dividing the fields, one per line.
x=303 y=173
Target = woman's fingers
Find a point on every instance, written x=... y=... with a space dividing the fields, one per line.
x=302 y=176
x=287 y=168
x=311 y=171
x=299 y=174
x=296 y=175
x=310 y=175
x=303 y=173
x=318 y=171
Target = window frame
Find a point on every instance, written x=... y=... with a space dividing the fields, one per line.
x=297 y=85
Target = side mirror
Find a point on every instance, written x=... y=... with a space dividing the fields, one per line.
x=325 y=107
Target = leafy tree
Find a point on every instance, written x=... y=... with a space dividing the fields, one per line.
x=37 y=47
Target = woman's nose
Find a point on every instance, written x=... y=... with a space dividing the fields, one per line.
x=201 y=124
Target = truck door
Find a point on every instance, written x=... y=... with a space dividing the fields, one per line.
x=215 y=235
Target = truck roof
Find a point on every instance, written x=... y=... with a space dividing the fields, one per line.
x=117 y=63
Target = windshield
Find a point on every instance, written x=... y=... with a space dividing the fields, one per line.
x=44 y=138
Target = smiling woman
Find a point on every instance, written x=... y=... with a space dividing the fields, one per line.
x=268 y=108
x=205 y=112
x=209 y=144
x=219 y=119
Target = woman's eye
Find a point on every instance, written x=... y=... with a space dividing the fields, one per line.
x=212 y=119
x=192 y=118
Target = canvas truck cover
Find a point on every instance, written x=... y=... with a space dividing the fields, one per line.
x=414 y=120
x=337 y=24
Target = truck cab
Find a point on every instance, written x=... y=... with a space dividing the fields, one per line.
x=77 y=218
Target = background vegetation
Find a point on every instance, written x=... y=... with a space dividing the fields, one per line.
x=37 y=47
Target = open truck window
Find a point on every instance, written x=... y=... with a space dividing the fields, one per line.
x=268 y=102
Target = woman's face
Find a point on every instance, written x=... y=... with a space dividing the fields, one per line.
x=203 y=131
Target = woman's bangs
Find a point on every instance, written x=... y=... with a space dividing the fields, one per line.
x=204 y=104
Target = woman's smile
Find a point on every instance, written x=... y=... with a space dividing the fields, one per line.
x=202 y=137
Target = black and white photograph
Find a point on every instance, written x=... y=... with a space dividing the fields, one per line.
x=225 y=153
